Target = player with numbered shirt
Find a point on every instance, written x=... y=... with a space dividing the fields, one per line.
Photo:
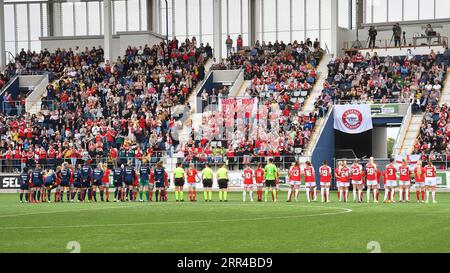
x=294 y=181
x=105 y=181
x=357 y=183
x=259 y=179
x=179 y=177
x=419 y=178
x=118 y=181
x=404 y=181
x=337 y=174
x=24 y=184
x=160 y=178
x=207 y=179
x=430 y=181
x=371 y=180
x=129 y=177
x=325 y=181
x=270 y=175
x=344 y=184
x=97 y=182
x=310 y=182
x=390 y=182
x=144 y=180
x=192 y=176
x=37 y=179
x=248 y=176
x=77 y=183
x=65 y=181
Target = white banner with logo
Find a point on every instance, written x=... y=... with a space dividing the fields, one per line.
x=352 y=119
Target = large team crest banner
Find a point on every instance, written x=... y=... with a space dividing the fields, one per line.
x=352 y=119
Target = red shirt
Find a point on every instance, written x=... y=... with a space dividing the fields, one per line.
x=419 y=174
x=356 y=172
x=404 y=173
x=325 y=174
x=259 y=173
x=191 y=175
x=337 y=173
x=248 y=176
x=309 y=174
x=294 y=174
x=391 y=172
x=371 y=171
x=430 y=171
x=105 y=178
x=345 y=174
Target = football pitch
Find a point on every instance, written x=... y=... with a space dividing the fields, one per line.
x=225 y=227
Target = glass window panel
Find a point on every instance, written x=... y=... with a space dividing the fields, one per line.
x=35 y=21
x=180 y=17
x=224 y=17
x=379 y=11
x=10 y=47
x=67 y=19
x=284 y=36
x=207 y=17
x=133 y=15
x=312 y=34
x=312 y=14
x=244 y=15
x=245 y=39
x=193 y=18
x=234 y=14
x=269 y=37
x=442 y=9
x=94 y=19
x=119 y=16
x=35 y=46
x=411 y=8
x=426 y=9
x=395 y=10
x=208 y=39
x=22 y=22
x=298 y=15
x=44 y=20
x=343 y=13
x=80 y=18
x=143 y=15
x=368 y=11
x=22 y=44
x=163 y=19
x=269 y=15
x=325 y=38
x=325 y=16
x=284 y=15
x=10 y=34
x=298 y=36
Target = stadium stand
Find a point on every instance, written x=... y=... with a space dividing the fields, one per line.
x=105 y=112
x=411 y=78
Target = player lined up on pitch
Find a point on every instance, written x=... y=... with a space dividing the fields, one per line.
x=81 y=183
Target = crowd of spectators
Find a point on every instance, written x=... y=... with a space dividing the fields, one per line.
x=412 y=78
x=246 y=132
x=110 y=112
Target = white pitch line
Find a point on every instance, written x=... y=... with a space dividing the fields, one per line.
x=345 y=210
x=61 y=211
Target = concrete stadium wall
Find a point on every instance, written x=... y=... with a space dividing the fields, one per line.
x=120 y=41
x=325 y=146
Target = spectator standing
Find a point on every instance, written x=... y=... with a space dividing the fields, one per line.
x=397 y=34
x=229 y=44
x=239 y=43
x=372 y=36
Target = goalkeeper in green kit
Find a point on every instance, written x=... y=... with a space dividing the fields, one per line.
x=270 y=175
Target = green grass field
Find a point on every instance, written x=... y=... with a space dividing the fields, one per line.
x=225 y=227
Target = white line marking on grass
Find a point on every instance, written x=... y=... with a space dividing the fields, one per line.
x=61 y=211
x=343 y=211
